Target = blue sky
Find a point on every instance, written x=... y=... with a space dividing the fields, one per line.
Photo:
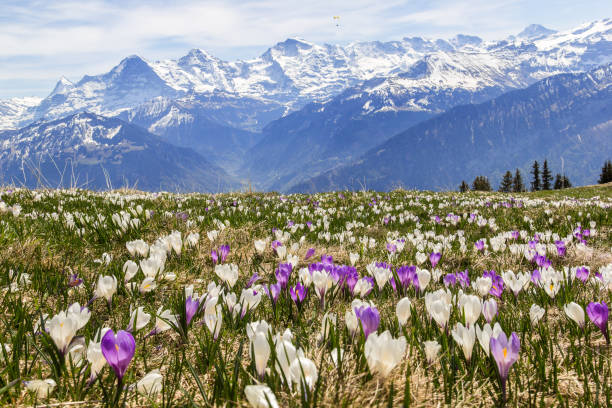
x=42 y=40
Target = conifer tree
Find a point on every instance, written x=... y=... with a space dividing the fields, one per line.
x=535 y=171
x=506 y=184
x=562 y=182
x=481 y=183
x=546 y=176
x=606 y=173
x=517 y=182
x=464 y=187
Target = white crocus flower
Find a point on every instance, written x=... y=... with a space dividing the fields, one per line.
x=575 y=312
x=62 y=328
x=42 y=388
x=130 y=268
x=106 y=287
x=536 y=313
x=465 y=337
x=432 y=348
x=402 y=311
x=261 y=349
x=228 y=273
x=260 y=396
x=383 y=352
x=138 y=319
x=150 y=384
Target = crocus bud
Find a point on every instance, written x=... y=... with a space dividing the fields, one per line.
x=402 y=311
x=151 y=384
x=575 y=312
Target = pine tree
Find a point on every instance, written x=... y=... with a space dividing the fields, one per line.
x=606 y=173
x=481 y=183
x=535 y=171
x=517 y=182
x=464 y=187
x=562 y=182
x=506 y=184
x=546 y=176
x=565 y=182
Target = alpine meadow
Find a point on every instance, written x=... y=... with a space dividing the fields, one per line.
x=376 y=211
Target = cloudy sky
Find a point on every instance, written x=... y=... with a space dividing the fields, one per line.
x=41 y=40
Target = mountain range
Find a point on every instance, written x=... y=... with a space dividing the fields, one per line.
x=296 y=117
x=565 y=117
x=90 y=151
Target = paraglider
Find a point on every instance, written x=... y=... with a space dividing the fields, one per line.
x=337 y=21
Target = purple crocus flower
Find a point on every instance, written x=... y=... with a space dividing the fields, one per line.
x=273 y=291
x=505 y=354
x=350 y=278
x=392 y=248
x=561 y=249
x=463 y=278
x=327 y=260
x=434 y=258
x=298 y=293
x=214 y=256
x=407 y=275
x=536 y=276
x=74 y=280
x=369 y=318
x=282 y=274
x=582 y=273
x=497 y=287
x=253 y=279
x=598 y=313
x=276 y=243
x=479 y=245
x=224 y=252
x=309 y=253
x=191 y=307
x=514 y=234
x=450 y=279
x=118 y=350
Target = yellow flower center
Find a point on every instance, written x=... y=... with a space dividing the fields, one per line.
x=117 y=348
x=551 y=286
x=505 y=350
x=62 y=324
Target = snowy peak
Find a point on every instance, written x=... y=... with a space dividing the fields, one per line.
x=64 y=85
x=197 y=56
x=291 y=47
x=535 y=31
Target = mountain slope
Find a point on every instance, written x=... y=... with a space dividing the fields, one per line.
x=323 y=136
x=92 y=151
x=567 y=116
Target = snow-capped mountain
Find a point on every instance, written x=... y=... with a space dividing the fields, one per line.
x=295 y=72
x=301 y=108
x=322 y=136
x=565 y=117
x=87 y=150
x=16 y=110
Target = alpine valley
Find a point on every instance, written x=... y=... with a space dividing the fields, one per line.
x=415 y=112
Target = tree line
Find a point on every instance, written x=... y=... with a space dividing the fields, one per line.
x=541 y=179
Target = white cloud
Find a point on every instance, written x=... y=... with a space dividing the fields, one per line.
x=45 y=39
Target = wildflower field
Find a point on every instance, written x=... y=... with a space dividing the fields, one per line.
x=339 y=299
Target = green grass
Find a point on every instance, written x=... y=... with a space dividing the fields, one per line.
x=57 y=233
